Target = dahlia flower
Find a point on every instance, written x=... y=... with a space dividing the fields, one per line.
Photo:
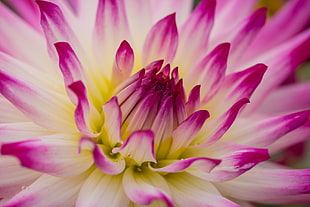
x=133 y=103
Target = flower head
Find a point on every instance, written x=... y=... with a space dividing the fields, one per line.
x=131 y=103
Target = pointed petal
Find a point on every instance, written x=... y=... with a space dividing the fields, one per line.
x=194 y=34
x=262 y=133
x=13 y=177
x=86 y=116
x=235 y=160
x=202 y=163
x=186 y=132
x=46 y=108
x=101 y=189
x=111 y=28
x=188 y=190
x=216 y=128
x=269 y=185
x=123 y=63
x=139 y=146
x=112 y=122
x=236 y=86
x=209 y=72
x=144 y=188
x=161 y=41
x=49 y=191
x=111 y=165
x=55 y=155
x=193 y=101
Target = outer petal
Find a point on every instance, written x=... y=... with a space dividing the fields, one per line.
x=146 y=187
x=55 y=154
x=194 y=34
x=13 y=177
x=161 y=41
x=46 y=108
x=8 y=113
x=261 y=133
x=111 y=165
x=235 y=160
x=270 y=185
x=139 y=146
x=102 y=190
x=49 y=191
x=188 y=190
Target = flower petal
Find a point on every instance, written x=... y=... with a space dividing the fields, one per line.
x=46 y=108
x=10 y=114
x=49 y=191
x=269 y=185
x=139 y=146
x=87 y=118
x=112 y=122
x=101 y=189
x=262 y=133
x=146 y=187
x=161 y=41
x=194 y=34
x=107 y=164
x=54 y=154
x=186 y=132
x=202 y=163
x=188 y=190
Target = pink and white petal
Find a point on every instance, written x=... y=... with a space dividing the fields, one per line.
x=139 y=146
x=281 y=27
x=299 y=135
x=186 y=132
x=29 y=11
x=235 y=87
x=87 y=118
x=56 y=27
x=235 y=159
x=112 y=122
x=101 y=189
x=297 y=100
x=172 y=166
x=13 y=177
x=19 y=69
x=264 y=132
x=10 y=114
x=217 y=127
x=18 y=45
x=161 y=41
x=269 y=185
x=111 y=165
x=193 y=101
x=49 y=191
x=147 y=187
x=111 y=28
x=281 y=61
x=209 y=72
x=19 y=131
x=226 y=15
x=54 y=154
x=123 y=63
x=188 y=190
x=194 y=34
x=45 y=108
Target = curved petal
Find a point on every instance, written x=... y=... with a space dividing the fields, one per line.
x=161 y=41
x=188 y=190
x=202 y=163
x=111 y=165
x=55 y=155
x=146 y=187
x=9 y=113
x=49 y=191
x=270 y=185
x=46 y=108
x=101 y=189
x=139 y=146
